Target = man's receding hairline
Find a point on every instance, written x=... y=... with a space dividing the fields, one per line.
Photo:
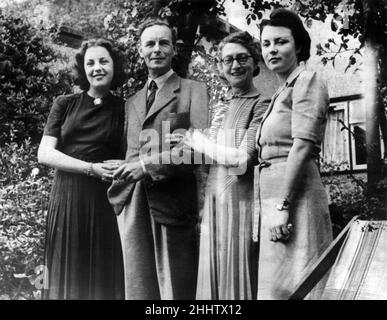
x=156 y=25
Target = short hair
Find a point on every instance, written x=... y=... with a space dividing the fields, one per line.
x=246 y=40
x=286 y=18
x=79 y=73
x=150 y=22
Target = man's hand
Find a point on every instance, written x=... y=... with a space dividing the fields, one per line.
x=130 y=172
x=173 y=138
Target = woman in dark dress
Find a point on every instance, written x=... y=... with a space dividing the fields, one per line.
x=82 y=137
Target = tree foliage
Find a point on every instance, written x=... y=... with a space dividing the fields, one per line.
x=27 y=82
x=357 y=19
x=122 y=26
x=24 y=191
x=349 y=199
x=89 y=15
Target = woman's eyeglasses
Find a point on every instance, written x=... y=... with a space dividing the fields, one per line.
x=240 y=58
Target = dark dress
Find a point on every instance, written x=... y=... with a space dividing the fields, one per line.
x=83 y=250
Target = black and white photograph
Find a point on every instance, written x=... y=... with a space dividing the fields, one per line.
x=202 y=152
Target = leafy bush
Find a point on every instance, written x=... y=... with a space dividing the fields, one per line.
x=24 y=191
x=30 y=78
x=27 y=82
x=350 y=199
x=121 y=26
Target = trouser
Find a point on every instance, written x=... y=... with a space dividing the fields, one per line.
x=160 y=261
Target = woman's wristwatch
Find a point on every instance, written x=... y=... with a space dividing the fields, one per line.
x=89 y=170
x=283 y=205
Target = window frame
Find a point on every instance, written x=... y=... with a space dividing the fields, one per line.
x=354 y=166
x=335 y=107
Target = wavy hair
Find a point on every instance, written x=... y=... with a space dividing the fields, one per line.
x=245 y=40
x=79 y=73
x=286 y=18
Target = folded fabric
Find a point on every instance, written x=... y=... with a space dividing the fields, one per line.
x=359 y=272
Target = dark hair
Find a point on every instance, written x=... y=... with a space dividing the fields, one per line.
x=286 y=18
x=245 y=40
x=150 y=22
x=79 y=73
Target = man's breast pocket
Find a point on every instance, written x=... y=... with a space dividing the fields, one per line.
x=178 y=120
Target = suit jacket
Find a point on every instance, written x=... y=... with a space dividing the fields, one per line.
x=170 y=188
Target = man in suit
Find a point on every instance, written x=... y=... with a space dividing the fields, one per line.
x=155 y=198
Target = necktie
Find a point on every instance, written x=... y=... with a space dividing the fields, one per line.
x=151 y=96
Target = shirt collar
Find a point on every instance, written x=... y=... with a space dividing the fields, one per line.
x=160 y=81
x=252 y=92
x=294 y=74
x=290 y=78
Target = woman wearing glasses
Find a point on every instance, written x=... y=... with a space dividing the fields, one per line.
x=227 y=260
x=292 y=204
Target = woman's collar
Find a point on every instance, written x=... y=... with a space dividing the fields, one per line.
x=290 y=78
x=252 y=92
x=294 y=74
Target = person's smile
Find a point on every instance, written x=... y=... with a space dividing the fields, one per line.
x=99 y=76
x=158 y=59
x=99 y=68
x=238 y=73
x=157 y=49
x=274 y=60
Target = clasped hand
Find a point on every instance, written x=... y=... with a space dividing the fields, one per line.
x=104 y=170
x=129 y=172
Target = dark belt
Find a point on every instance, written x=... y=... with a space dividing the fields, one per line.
x=269 y=162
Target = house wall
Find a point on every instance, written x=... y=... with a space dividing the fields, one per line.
x=340 y=83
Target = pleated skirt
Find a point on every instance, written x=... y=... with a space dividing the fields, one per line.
x=227 y=255
x=83 y=255
x=283 y=264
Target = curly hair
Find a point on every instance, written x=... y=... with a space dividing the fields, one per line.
x=286 y=18
x=79 y=73
x=150 y=22
x=245 y=40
